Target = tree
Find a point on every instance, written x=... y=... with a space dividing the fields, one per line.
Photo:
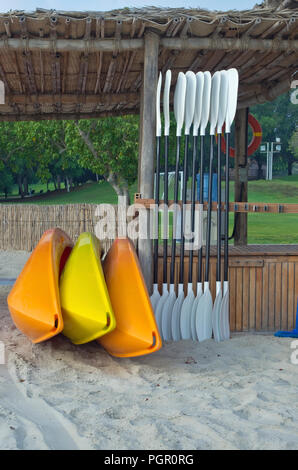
x=294 y=145
x=278 y=118
x=15 y=153
x=107 y=147
x=6 y=180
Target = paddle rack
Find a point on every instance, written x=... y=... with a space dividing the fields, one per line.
x=256 y=207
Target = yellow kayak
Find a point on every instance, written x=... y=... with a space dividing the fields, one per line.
x=85 y=302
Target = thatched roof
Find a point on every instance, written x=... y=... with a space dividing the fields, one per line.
x=83 y=64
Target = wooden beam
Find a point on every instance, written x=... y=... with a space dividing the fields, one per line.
x=242 y=207
x=110 y=75
x=230 y=44
x=108 y=45
x=241 y=173
x=68 y=45
x=147 y=163
x=65 y=116
x=102 y=98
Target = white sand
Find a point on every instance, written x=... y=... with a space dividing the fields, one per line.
x=11 y=263
x=241 y=394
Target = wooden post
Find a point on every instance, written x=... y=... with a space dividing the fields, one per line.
x=147 y=142
x=140 y=135
x=241 y=173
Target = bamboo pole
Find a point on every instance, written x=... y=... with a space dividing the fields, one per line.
x=71 y=98
x=108 y=45
x=73 y=116
x=230 y=44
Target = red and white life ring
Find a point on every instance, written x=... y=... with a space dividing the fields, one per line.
x=256 y=139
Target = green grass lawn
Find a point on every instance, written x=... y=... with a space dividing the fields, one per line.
x=262 y=228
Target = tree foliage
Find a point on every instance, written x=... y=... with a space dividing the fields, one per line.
x=278 y=118
x=68 y=151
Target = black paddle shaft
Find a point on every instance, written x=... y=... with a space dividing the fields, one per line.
x=193 y=202
x=227 y=200
x=173 y=253
x=209 y=213
x=184 y=196
x=218 y=266
x=200 y=254
x=155 y=262
x=166 y=213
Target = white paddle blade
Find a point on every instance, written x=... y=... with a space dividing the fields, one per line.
x=185 y=317
x=190 y=100
x=194 y=312
x=199 y=103
x=206 y=102
x=214 y=101
x=176 y=314
x=179 y=102
x=166 y=316
x=160 y=306
x=166 y=101
x=216 y=313
x=204 y=315
x=155 y=297
x=223 y=100
x=158 y=120
x=225 y=313
x=232 y=98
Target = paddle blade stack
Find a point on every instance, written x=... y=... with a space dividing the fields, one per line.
x=199 y=100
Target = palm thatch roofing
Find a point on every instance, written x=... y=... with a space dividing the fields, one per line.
x=89 y=64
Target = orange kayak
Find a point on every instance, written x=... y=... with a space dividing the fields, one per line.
x=136 y=331
x=34 y=301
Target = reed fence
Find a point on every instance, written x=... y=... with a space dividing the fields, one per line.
x=21 y=226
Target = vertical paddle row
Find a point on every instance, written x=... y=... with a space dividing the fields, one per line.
x=233 y=83
x=179 y=110
x=205 y=328
x=198 y=308
x=192 y=299
x=166 y=111
x=197 y=100
x=156 y=296
x=223 y=100
x=180 y=316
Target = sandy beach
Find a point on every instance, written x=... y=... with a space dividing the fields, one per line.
x=240 y=394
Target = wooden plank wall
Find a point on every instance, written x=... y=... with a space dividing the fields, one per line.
x=263 y=288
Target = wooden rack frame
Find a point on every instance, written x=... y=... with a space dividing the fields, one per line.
x=244 y=207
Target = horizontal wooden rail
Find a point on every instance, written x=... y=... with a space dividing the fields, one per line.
x=109 y=45
x=255 y=207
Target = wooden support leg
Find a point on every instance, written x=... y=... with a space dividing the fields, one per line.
x=147 y=143
x=241 y=173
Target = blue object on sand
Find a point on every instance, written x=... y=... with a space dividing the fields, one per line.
x=7 y=282
x=289 y=334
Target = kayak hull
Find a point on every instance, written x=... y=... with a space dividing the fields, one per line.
x=34 y=301
x=86 y=306
x=136 y=333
